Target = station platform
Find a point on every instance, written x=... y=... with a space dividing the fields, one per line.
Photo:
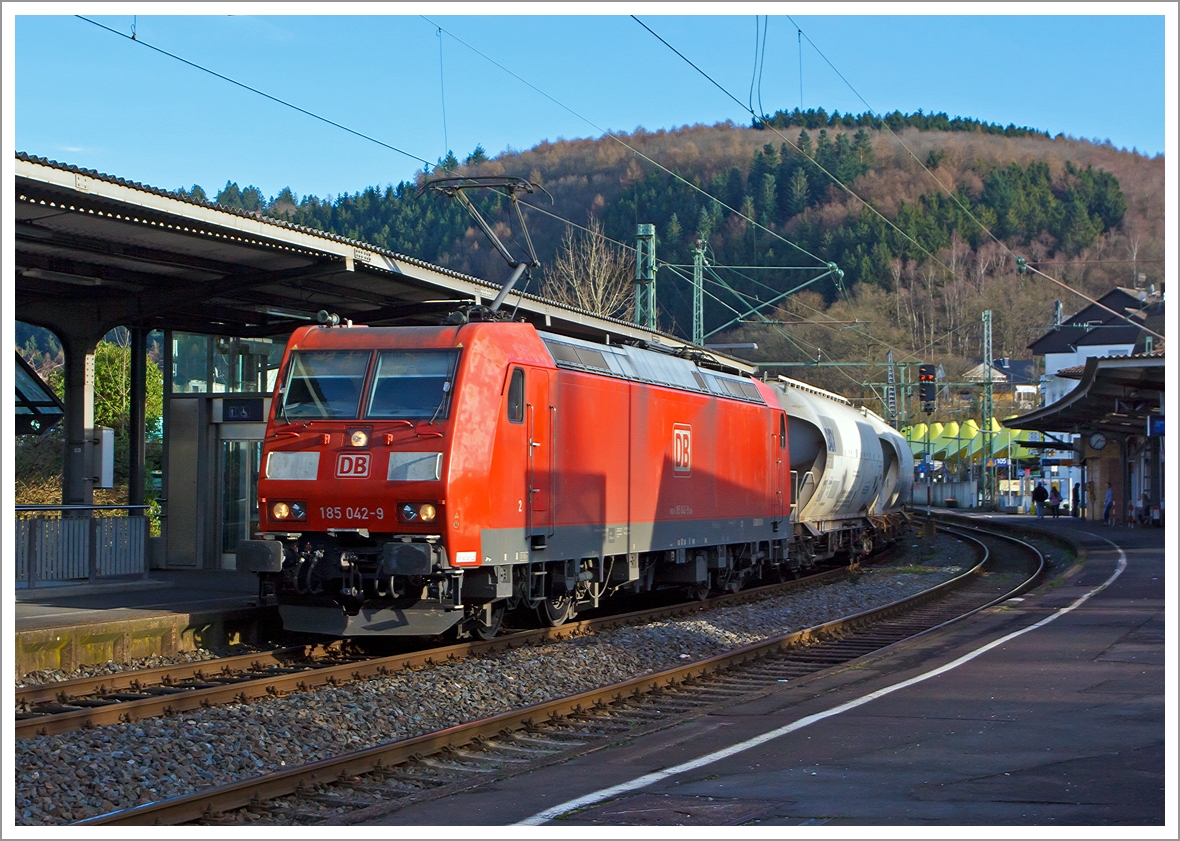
x=70 y=625
x=1048 y=710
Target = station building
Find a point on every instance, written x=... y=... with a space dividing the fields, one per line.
x=1103 y=411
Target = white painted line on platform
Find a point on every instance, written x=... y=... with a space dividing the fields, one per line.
x=656 y=776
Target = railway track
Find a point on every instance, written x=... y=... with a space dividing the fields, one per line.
x=61 y=707
x=361 y=785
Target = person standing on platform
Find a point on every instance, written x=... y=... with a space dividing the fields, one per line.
x=1143 y=509
x=1039 y=495
x=1055 y=502
x=1075 y=507
x=1108 y=506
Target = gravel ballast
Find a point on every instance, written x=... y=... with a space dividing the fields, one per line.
x=75 y=775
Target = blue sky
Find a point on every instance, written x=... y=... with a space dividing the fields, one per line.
x=86 y=96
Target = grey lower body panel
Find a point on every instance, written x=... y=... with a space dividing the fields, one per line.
x=423 y=620
x=501 y=546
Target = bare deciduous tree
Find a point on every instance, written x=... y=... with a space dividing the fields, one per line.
x=590 y=273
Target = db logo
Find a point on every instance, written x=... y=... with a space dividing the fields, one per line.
x=681 y=449
x=353 y=465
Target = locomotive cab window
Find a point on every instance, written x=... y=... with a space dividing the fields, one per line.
x=516 y=396
x=325 y=384
x=412 y=384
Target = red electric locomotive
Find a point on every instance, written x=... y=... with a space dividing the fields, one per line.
x=420 y=479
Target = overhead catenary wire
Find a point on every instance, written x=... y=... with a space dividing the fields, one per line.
x=769 y=323
x=673 y=267
x=760 y=28
x=910 y=151
x=818 y=312
x=1086 y=262
x=754 y=72
x=955 y=198
x=676 y=270
x=326 y=120
x=762 y=61
x=244 y=86
x=632 y=149
x=427 y=163
x=792 y=144
x=442 y=90
x=1123 y=316
x=799 y=37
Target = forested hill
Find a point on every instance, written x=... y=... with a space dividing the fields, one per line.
x=916 y=260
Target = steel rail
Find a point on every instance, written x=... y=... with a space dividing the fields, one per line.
x=291 y=780
x=135 y=679
x=127 y=706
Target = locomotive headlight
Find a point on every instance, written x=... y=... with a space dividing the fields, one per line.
x=358 y=437
x=289 y=510
x=413 y=512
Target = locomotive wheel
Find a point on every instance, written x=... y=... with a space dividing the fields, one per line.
x=492 y=629
x=555 y=611
x=699 y=592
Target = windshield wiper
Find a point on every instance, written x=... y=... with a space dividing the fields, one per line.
x=446 y=389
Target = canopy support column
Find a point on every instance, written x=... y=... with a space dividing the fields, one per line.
x=77 y=477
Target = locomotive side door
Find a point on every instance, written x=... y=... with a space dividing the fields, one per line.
x=778 y=457
x=540 y=420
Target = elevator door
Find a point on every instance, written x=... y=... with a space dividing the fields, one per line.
x=238 y=473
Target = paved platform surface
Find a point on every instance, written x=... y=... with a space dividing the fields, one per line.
x=164 y=591
x=1062 y=725
x=62 y=627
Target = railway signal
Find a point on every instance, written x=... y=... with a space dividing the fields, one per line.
x=926 y=386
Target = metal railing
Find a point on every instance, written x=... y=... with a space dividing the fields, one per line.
x=79 y=544
x=799 y=487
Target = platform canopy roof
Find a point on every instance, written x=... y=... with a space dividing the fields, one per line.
x=95 y=251
x=955 y=442
x=1114 y=395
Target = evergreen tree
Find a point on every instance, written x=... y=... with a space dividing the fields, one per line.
x=478 y=156
x=799 y=193
x=804 y=144
x=766 y=199
x=673 y=232
x=704 y=224
x=250 y=199
x=824 y=151
x=735 y=188
x=196 y=193
x=863 y=145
